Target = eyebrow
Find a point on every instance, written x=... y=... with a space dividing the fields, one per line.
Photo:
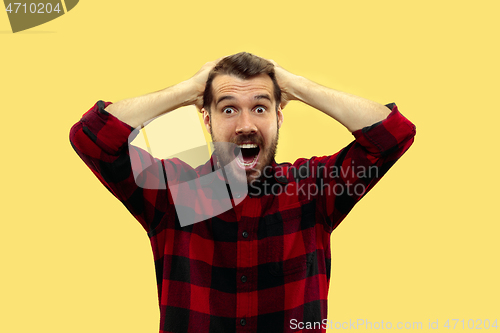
x=266 y=96
x=257 y=97
x=223 y=98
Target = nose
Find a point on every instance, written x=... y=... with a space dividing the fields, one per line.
x=245 y=124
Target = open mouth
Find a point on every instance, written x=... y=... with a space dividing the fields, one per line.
x=249 y=155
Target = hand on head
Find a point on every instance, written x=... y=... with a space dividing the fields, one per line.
x=283 y=78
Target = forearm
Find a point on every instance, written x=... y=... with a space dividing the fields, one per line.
x=138 y=110
x=351 y=111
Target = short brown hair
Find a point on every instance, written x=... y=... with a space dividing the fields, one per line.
x=243 y=65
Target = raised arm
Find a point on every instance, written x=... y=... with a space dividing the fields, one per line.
x=101 y=139
x=351 y=111
x=139 y=110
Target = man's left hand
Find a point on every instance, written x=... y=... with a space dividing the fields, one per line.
x=284 y=78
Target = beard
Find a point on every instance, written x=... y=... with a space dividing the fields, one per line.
x=227 y=152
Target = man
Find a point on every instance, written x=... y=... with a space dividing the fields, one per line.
x=264 y=265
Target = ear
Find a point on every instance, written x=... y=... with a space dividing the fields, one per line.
x=280 y=117
x=206 y=120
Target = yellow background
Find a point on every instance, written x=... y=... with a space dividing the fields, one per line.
x=423 y=245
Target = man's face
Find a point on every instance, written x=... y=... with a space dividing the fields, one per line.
x=243 y=112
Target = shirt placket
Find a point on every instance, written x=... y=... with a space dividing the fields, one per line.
x=246 y=259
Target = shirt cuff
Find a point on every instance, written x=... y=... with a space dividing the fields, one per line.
x=386 y=135
x=105 y=130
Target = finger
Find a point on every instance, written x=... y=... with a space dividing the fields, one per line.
x=199 y=107
x=283 y=103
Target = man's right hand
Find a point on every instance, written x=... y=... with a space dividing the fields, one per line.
x=138 y=111
x=199 y=81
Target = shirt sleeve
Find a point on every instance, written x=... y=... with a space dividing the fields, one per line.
x=347 y=176
x=131 y=174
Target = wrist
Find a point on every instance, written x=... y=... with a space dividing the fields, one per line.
x=189 y=92
x=292 y=87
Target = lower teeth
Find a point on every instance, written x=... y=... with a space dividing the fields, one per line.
x=248 y=163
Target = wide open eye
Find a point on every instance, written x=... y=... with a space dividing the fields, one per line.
x=228 y=110
x=260 y=109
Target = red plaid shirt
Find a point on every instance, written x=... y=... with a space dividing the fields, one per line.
x=263 y=266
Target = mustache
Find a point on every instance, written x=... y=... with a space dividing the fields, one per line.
x=246 y=138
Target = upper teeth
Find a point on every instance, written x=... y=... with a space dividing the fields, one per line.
x=248 y=145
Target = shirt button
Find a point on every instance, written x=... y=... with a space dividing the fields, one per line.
x=243 y=322
x=243 y=278
x=245 y=234
x=238 y=195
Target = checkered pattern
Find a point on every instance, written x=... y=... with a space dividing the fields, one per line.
x=260 y=265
